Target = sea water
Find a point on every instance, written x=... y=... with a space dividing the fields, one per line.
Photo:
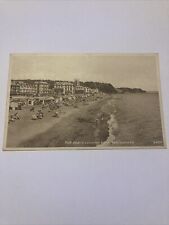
x=135 y=120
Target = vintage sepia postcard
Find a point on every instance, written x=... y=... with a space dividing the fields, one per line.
x=84 y=101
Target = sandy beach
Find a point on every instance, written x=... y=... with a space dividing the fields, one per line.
x=73 y=127
x=24 y=129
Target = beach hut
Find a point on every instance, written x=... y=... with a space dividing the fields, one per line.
x=31 y=102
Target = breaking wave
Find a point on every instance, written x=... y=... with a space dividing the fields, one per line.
x=112 y=130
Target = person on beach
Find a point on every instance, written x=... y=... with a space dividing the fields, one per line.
x=39 y=114
x=56 y=114
x=11 y=118
x=97 y=121
x=34 y=117
x=16 y=116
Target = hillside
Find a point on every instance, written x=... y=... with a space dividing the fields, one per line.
x=103 y=87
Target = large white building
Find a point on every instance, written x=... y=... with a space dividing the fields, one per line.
x=22 y=88
x=27 y=89
x=42 y=88
x=64 y=87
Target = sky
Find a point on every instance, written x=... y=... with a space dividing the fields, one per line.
x=134 y=71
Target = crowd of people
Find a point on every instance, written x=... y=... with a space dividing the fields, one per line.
x=39 y=109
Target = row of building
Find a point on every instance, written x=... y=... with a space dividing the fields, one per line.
x=42 y=88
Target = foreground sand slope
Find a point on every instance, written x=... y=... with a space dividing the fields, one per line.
x=74 y=127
